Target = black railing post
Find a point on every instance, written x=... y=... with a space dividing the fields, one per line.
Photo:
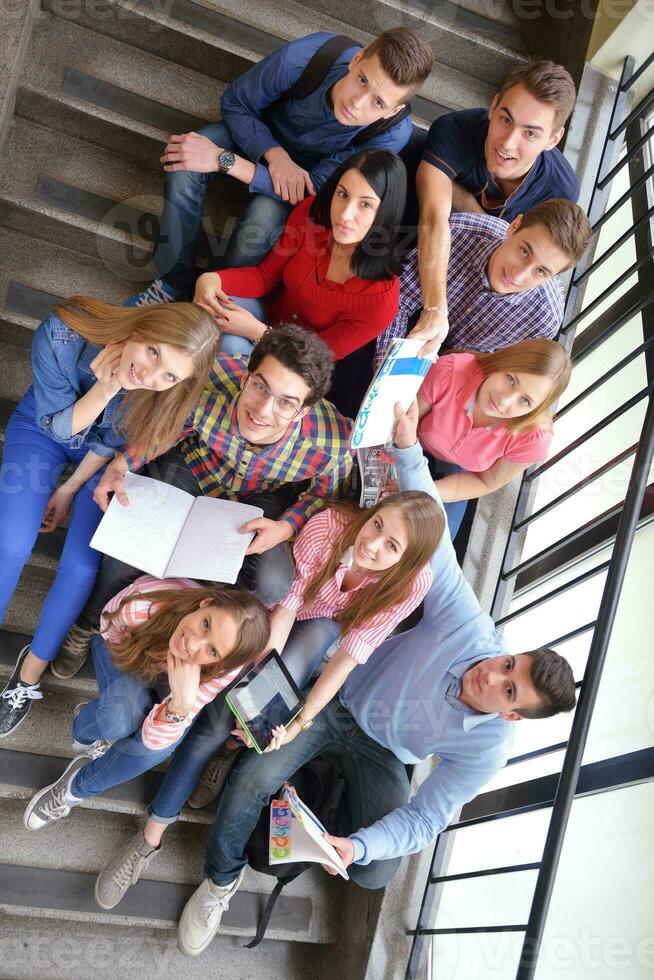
x=592 y=676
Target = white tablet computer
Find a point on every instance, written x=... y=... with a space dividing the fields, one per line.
x=263 y=697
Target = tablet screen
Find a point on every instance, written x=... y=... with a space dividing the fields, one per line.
x=264 y=697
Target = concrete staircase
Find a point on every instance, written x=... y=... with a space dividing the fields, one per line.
x=101 y=88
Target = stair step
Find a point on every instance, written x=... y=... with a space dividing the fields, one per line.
x=459 y=38
x=65 y=946
x=86 y=198
x=199 y=35
x=82 y=686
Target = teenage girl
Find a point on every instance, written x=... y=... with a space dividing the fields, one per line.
x=103 y=376
x=485 y=417
x=194 y=641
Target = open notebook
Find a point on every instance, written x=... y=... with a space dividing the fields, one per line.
x=296 y=834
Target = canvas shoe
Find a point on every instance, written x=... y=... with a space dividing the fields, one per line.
x=202 y=913
x=93 y=750
x=213 y=778
x=16 y=699
x=123 y=870
x=73 y=653
x=55 y=801
x=158 y=291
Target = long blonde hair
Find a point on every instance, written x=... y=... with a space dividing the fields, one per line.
x=546 y=358
x=150 y=420
x=424 y=521
x=144 y=650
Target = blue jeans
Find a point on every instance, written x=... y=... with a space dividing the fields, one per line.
x=269 y=575
x=118 y=713
x=32 y=463
x=231 y=343
x=454 y=512
x=181 y=221
x=376 y=783
x=308 y=642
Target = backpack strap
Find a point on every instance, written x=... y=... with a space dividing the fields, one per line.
x=268 y=911
x=320 y=63
x=376 y=128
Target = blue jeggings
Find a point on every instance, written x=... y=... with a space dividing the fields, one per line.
x=455 y=511
x=118 y=713
x=184 y=197
x=308 y=642
x=32 y=463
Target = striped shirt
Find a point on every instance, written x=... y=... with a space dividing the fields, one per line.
x=313 y=449
x=311 y=551
x=157 y=733
x=479 y=317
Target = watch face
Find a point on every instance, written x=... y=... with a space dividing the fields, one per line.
x=226 y=160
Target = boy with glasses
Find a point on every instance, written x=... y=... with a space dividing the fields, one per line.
x=263 y=434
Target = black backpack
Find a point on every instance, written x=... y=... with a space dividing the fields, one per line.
x=319 y=785
x=315 y=72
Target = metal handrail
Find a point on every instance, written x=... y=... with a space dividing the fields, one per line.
x=592 y=676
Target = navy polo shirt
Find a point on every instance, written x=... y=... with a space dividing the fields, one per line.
x=455 y=144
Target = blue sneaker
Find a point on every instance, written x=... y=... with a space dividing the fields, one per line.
x=157 y=292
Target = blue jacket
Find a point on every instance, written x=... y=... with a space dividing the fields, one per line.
x=61 y=374
x=306 y=128
x=406 y=697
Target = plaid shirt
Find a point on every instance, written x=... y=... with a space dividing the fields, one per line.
x=226 y=465
x=479 y=318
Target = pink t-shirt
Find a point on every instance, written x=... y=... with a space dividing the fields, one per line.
x=448 y=433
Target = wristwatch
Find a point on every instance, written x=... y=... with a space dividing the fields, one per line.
x=172 y=717
x=304 y=723
x=226 y=161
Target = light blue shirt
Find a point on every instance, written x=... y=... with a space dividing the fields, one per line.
x=406 y=698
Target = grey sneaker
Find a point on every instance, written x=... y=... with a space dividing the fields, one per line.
x=74 y=651
x=91 y=749
x=123 y=870
x=51 y=803
x=202 y=914
x=212 y=780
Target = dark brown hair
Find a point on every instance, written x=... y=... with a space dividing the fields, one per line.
x=425 y=523
x=150 y=420
x=552 y=676
x=566 y=222
x=144 y=650
x=404 y=56
x=547 y=82
x=300 y=351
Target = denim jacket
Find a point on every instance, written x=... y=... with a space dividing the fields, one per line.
x=61 y=369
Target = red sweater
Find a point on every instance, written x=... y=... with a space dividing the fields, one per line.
x=345 y=315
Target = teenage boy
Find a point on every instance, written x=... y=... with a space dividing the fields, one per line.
x=287 y=124
x=446 y=688
x=264 y=434
x=502 y=279
x=501 y=161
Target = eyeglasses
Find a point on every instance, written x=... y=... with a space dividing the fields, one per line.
x=285 y=408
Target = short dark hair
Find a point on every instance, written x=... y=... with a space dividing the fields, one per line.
x=404 y=56
x=552 y=676
x=377 y=255
x=300 y=351
x=546 y=82
x=566 y=222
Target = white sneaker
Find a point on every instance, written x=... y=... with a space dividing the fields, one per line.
x=54 y=802
x=202 y=914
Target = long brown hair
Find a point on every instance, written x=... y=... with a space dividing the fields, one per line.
x=424 y=521
x=151 y=420
x=546 y=358
x=144 y=650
